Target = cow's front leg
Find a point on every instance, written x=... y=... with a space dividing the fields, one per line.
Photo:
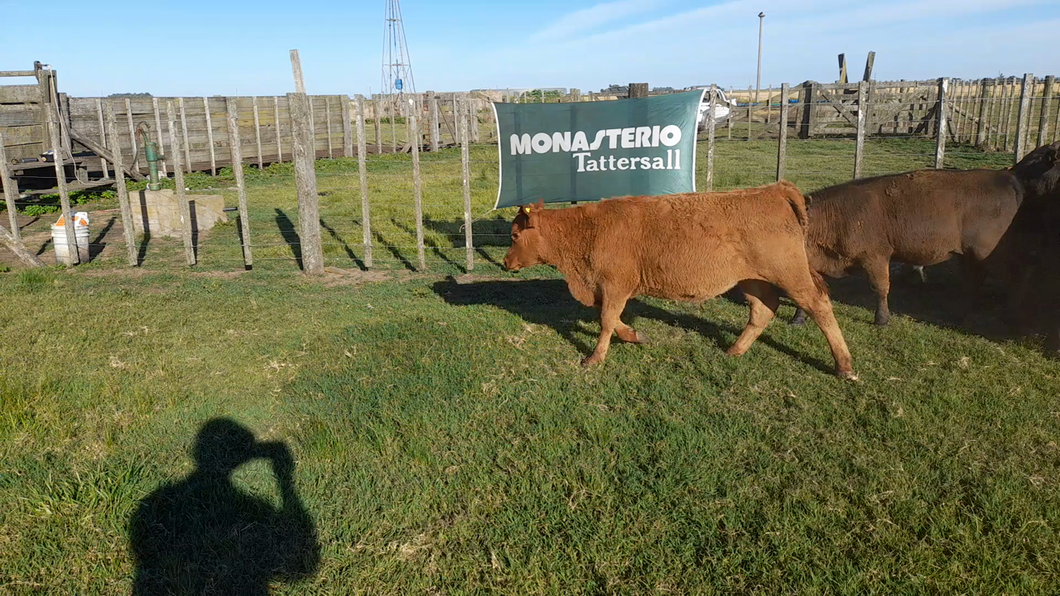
x=610 y=314
x=629 y=334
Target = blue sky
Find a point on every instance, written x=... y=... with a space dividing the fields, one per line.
x=225 y=47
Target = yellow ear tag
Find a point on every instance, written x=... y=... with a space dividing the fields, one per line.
x=526 y=210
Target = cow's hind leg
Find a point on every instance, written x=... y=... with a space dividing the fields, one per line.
x=764 y=302
x=610 y=320
x=629 y=334
x=879 y=273
x=810 y=294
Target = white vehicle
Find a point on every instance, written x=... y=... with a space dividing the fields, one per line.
x=722 y=107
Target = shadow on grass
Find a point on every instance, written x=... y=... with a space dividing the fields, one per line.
x=290 y=235
x=205 y=535
x=548 y=302
x=96 y=246
x=941 y=300
x=345 y=245
x=487 y=232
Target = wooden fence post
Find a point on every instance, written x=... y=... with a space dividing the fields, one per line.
x=1043 y=122
x=417 y=196
x=472 y=111
x=235 y=144
x=276 y=123
x=13 y=240
x=940 y=141
x=750 y=108
x=465 y=167
x=712 y=97
x=347 y=127
x=782 y=145
x=982 y=128
x=1024 y=117
x=102 y=138
x=162 y=167
x=178 y=181
x=859 y=147
x=432 y=104
x=209 y=135
x=123 y=191
x=184 y=136
x=257 y=131
x=132 y=135
x=60 y=178
x=10 y=191
x=306 y=183
x=362 y=173
x=377 y=107
x=392 y=101
x=327 y=125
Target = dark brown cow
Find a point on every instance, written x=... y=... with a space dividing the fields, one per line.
x=687 y=247
x=920 y=218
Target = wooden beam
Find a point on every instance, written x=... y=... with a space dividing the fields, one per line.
x=232 y=122
x=178 y=181
x=123 y=191
x=102 y=152
x=60 y=180
x=16 y=246
x=306 y=184
x=362 y=173
x=296 y=68
x=10 y=190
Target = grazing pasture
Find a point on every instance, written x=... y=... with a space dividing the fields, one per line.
x=445 y=439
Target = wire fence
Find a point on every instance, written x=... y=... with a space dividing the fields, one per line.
x=414 y=179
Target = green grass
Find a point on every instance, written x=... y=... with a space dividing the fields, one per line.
x=446 y=440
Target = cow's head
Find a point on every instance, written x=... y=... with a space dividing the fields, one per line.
x=1039 y=171
x=527 y=242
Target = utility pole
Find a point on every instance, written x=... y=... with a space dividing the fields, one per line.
x=758 y=83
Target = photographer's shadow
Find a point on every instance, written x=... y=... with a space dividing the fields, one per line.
x=204 y=535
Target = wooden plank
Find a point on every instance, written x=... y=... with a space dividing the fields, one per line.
x=940 y=141
x=21 y=115
x=232 y=124
x=417 y=198
x=306 y=183
x=209 y=135
x=94 y=147
x=19 y=94
x=10 y=191
x=25 y=135
x=18 y=73
x=15 y=245
x=178 y=181
x=465 y=167
x=123 y=191
x=362 y=173
x=1024 y=117
x=60 y=179
x=782 y=144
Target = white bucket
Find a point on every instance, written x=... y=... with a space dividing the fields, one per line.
x=62 y=254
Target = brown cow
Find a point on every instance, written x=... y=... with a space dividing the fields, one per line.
x=687 y=247
x=920 y=218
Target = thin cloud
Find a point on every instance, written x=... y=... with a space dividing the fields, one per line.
x=587 y=19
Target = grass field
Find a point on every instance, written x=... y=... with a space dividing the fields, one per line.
x=445 y=440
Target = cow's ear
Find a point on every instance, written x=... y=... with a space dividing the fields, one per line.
x=528 y=211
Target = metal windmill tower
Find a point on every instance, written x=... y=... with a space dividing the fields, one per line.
x=397 y=70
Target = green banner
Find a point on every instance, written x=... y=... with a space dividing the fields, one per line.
x=588 y=151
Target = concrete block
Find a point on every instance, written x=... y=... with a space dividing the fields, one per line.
x=157 y=212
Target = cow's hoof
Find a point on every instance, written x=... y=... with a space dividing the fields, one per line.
x=640 y=338
x=847 y=375
x=882 y=321
x=591 y=360
x=797 y=321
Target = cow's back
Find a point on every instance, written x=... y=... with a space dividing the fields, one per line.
x=697 y=245
x=921 y=217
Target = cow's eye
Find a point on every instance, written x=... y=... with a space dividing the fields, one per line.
x=515 y=235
